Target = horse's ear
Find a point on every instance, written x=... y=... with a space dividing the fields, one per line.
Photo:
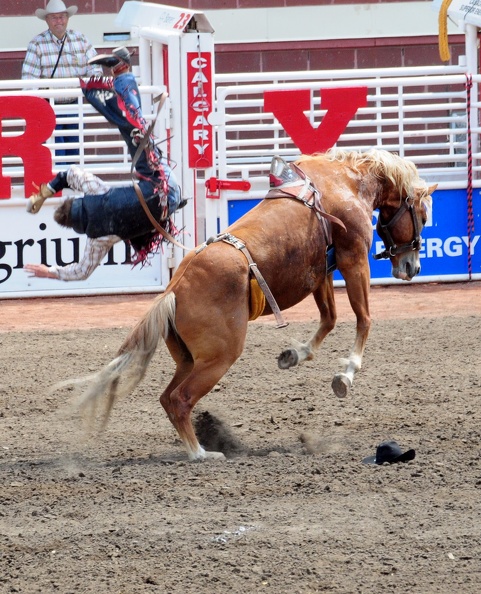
x=432 y=188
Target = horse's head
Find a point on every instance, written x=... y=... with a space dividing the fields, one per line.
x=400 y=229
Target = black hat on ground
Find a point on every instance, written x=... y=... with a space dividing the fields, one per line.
x=389 y=451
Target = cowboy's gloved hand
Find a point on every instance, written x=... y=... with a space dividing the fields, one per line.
x=35 y=201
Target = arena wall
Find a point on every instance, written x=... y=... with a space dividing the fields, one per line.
x=280 y=35
x=424 y=113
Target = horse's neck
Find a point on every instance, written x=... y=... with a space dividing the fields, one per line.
x=371 y=192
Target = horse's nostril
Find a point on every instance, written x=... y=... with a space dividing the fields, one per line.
x=411 y=270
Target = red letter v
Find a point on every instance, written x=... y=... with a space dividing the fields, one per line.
x=340 y=104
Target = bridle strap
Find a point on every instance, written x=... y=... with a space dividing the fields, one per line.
x=391 y=248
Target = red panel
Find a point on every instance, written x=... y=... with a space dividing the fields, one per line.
x=106 y=6
x=203 y=5
x=430 y=54
x=257 y=4
x=236 y=61
x=16 y=8
x=332 y=59
x=29 y=146
x=386 y=57
x=321 y=55
x=11 y=68
x=28 y=7
x=200 y=98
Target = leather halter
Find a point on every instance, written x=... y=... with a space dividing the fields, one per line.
x=383 y=230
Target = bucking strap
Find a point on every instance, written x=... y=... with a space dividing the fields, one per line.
x=238 y=244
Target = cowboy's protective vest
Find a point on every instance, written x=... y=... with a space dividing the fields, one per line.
x=118 y=212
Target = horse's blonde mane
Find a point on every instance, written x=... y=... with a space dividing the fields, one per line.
x=401 y=172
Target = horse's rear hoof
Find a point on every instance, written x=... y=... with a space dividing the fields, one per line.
x=288 y=358
x=214 y=456
x=341 y=385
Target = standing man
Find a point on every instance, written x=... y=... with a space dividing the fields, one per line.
x=60 y=52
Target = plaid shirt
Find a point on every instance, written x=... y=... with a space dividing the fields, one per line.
x=42 y=54
x=95 y=250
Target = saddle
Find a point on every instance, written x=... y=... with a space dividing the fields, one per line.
x=289 y=181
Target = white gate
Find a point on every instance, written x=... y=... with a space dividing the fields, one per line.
x=429 y=115
x=175 y=55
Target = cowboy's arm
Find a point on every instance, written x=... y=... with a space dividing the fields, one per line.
x=95 y=250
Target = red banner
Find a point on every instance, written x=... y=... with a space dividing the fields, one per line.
x=200 y=104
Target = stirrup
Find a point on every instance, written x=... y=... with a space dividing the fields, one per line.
x=281 y=173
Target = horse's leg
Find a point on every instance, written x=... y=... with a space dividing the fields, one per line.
x=324 y=298
x=193 y=379
x=179 y=401
x=357 y=287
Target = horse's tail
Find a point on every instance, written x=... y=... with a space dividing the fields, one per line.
x=126 y=371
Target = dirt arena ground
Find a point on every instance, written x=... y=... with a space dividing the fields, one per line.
x=292 y=509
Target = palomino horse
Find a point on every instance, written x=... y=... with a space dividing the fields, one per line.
x=282 y=244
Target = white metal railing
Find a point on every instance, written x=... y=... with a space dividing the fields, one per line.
x=420 y=113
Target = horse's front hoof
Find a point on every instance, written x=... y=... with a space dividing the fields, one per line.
x=288 y=358
x=341 y=385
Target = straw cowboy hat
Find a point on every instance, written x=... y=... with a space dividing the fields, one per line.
x=53 y=7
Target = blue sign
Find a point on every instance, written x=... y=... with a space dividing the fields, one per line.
x=445 y=240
